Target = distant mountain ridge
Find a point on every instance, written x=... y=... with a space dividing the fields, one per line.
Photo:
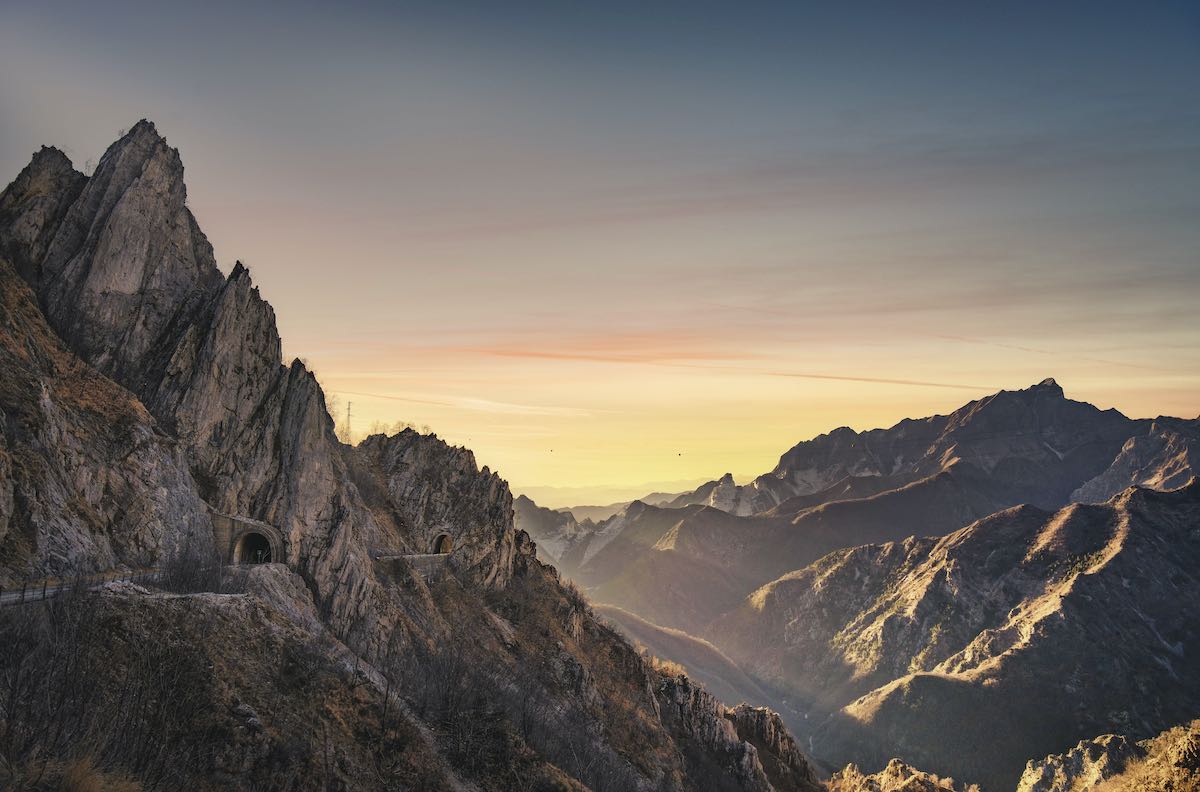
x=1027 y=556
x=920 y=477
x=1033 y=425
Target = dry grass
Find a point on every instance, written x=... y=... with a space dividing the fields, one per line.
x=82 y=775
x=667 y=668
x=77 y=775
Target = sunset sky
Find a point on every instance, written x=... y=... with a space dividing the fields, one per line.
x=614 y=248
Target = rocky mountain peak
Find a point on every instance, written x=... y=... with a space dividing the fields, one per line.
x=634 y=509
x=123 y=259
x=49 y=163
x=32 y=207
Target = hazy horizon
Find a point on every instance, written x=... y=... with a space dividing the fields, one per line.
x=605 y=249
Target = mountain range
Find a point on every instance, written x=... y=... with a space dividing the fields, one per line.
x=1027 y=556
x=979 y=594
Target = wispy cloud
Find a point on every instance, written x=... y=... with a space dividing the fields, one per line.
x=894 y=170
x=1051 y=352
x=662 y=346
x=475 y=404
x=881 y=380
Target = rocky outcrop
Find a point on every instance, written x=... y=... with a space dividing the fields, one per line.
x=32 y=208
x=1169 y=762
x=716 y=749
x=1083 y=767
x=437 y=490
x=88 y=481
x=128 y=280
x=896 y=777
x=217 y=370
x=785 y=765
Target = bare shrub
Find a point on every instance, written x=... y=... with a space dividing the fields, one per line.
x=193 y=568
x=483 y=713
x=666 y=668
x=574 y=596
x=77 y=697
x=306 y=665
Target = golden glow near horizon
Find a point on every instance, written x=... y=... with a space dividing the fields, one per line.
x=593 y=427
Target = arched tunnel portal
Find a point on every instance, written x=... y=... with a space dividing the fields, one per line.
x=245 y=541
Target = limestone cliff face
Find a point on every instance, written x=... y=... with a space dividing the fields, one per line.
x=126 y=257
x=217 y=369
x=88 y=481
x=750 y=747
x=128 y=280
x=435 y=489
x=784 y=763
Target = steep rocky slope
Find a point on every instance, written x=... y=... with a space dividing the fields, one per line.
x=1169 y=762
x=32 y=209
x=88 y=480
x=1056 y=625
x=430 y=489
x=128 y=280
x=179 y=402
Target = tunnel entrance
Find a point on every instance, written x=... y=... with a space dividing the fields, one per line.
x=254 y=548
x=443 y=544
